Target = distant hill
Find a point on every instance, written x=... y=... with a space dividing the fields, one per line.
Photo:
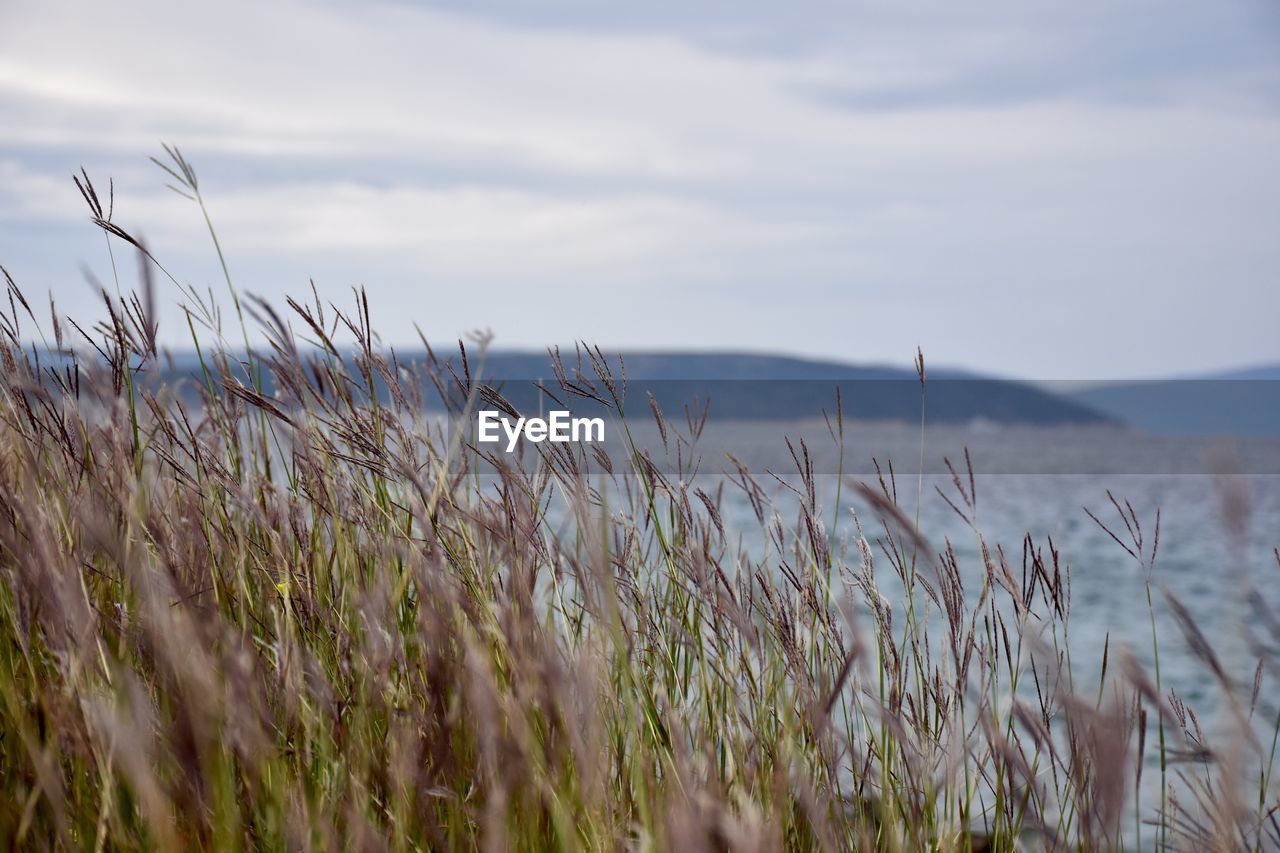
x=767 y=387
x=1242 y=402
x=1266 y=372
x=770 y=387
x=689 y=366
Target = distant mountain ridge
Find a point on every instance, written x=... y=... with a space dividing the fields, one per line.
x=762 y=387
x=1242 y=402
x=1259 y=372
x=770 y=387
x=680 y=365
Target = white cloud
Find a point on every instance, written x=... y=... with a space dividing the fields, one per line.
x=965 y=173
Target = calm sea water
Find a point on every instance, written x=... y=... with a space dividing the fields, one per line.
x=1218 y=502
x=1040 y=481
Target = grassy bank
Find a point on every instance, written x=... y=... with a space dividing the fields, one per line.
x=315 y=619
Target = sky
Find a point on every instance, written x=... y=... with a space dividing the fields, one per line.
x=1053 y=191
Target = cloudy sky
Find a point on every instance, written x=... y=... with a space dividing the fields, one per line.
x=1073 y=190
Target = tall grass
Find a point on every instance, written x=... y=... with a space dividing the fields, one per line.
x=309 y=617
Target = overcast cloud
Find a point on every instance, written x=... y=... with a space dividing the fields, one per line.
x=1085 y=191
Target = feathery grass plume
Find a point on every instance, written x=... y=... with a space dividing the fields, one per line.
x=276 y=604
